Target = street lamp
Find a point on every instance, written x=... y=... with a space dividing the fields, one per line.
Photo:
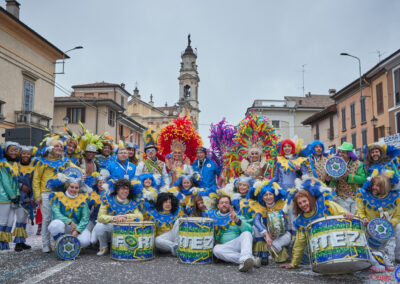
x=359 y=68
x=63 y=60
x=374 y=122
x=66 y=120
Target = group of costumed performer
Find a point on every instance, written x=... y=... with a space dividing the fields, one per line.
x=379 y=198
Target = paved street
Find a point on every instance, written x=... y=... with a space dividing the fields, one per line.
x=34 y=266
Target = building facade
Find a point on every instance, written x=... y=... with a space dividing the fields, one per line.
x=27 y=64
x=287 y=115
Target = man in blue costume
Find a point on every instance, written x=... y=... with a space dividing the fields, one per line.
x=207 y=168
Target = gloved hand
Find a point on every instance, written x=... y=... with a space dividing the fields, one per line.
x=15 y=200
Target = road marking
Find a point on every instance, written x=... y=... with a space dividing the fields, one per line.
x=23 y=268
x=48 y=273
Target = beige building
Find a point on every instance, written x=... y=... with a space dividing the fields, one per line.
x=27 y=64
x=188 y=104
x=101 y=109
x=323 y=126
x=287 y=115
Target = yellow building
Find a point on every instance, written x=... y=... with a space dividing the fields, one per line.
x=27 y=64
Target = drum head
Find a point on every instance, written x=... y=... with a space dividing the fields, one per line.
x=196 y=219
x=340 y=266
x=73 y=172
x=335 y=167
x=380 y=229
x=67 y=247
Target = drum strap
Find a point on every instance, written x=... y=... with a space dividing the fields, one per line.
x=313 y=168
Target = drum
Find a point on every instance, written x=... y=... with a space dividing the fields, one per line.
x=196 y=240
x=133 y=241
x=335 y=167
x=337 y=245
x=379 y=232
x=276 y=223
x=67 y=247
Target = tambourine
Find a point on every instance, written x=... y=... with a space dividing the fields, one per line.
x=67 y=247
x=335 y=167
x=73 y=172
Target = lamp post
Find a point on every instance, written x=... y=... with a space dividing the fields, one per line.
x=359 y=69
x=374 y=122
x=66 y=120
x=63 y=60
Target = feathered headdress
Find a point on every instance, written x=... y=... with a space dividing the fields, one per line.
x=178 y=134
x=221 y=139
x=149 y=139
x=254 y=132
x=262 y=187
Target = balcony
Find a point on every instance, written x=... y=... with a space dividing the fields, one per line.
x=30 y=118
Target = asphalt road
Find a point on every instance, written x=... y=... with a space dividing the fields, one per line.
x=33 y=266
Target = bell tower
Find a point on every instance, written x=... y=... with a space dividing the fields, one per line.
x=189 y=85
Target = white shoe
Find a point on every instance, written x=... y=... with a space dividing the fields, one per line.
x=387 y=261
x=46 y=249
x=102 y=251
x=246 y=265
x=257 y=262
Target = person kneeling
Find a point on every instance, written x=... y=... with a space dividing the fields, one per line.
x=233 y=235
x=117 y=206
x=70 y=214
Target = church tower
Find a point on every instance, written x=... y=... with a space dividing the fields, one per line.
x=189 y=85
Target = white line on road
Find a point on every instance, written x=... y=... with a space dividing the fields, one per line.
x=48 y=273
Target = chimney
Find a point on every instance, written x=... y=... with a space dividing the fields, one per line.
x=123 y=85
x=12 y=7
x=136 y=93
x=332 y=92
x=151 y=100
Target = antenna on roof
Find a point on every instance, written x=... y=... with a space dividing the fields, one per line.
x=303 y=71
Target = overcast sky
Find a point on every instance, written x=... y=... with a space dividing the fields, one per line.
x=247 y=49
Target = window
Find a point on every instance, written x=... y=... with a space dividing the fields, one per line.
x=396 y=80
x=317 y=131
x=275 y=123
x=331 y=130
x=344 y=139
x=379 y=98
x=362 y=105
x=121 y=131
x=353 y=115
x=344 y=119
x=187 y=91
x=76 y=114
x=1 y=109
x=122 y=101
x=29 y=92
x=111 y=117
x=354 y=140
x=397 y=122
x=364 y=136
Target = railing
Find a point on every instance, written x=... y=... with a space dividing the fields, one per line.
x=32 y=118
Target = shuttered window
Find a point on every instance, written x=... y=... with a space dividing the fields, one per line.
x=76 y=114
x=379 y=98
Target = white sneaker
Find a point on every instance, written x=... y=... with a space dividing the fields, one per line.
x=102 y=251
x=46 y=249
x=257 y=262
x=387 y=261
x=246 y=265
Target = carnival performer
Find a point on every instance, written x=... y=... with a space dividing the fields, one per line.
x=254 y=150
x=120 y=205
x=71 y=150
x=105 y=157
x=311 y=201
x=208 y=169
x=151 y=163
x=221 y=140
x=199 y=207
x=354 y=177
x=241 y=187
x=376 y=157
x=47 y=168
x=178 y=143
x=271 y=240
x=88 y=163
x=27 y=204
x=121 y=168
x=317 y=160
x=379 y=198
x=70 y=211
x=131 y=147
x=165 y=215
x=151 y=185
x=288 y=165
x=233 y=235
x=9 y=192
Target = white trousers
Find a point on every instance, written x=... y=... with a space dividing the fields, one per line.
x=397 y=240
x=21 y=216
x=103 y=233
x=282 y=241
x=47 y=217
x=6 y=215
x=168 y=240
x=93 y=236
x=58 y=227
x=349 y=204
x=236 y=250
